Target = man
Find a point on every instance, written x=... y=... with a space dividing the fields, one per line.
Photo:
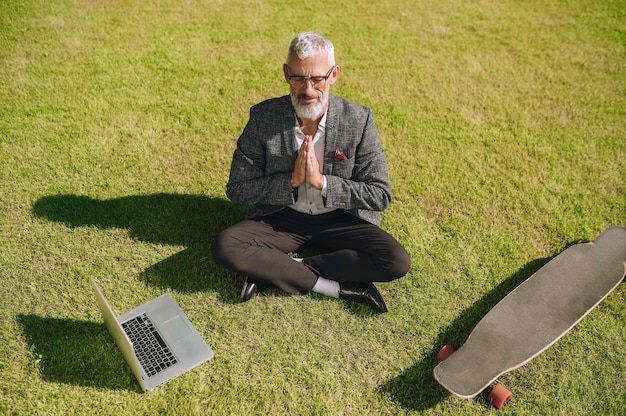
x=312 y=171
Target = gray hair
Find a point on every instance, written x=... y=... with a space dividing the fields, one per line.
x=306 y=43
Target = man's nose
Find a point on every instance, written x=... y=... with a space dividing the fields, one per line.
x=308 y=86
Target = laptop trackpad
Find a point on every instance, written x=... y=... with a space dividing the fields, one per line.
x=176 y=328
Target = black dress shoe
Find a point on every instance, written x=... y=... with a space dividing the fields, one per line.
x=250 y=289
x=364 y=293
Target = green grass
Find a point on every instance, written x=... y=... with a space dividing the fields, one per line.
x=504 y=124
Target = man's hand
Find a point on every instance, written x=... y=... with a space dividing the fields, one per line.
x=307 y=167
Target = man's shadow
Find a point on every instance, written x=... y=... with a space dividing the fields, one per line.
x=416 y=388
x=191 y=221
x=76 y=352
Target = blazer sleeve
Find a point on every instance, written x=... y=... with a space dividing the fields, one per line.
x=361 y=182
x=260 y=173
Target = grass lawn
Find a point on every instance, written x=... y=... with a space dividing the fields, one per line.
x=504 y=124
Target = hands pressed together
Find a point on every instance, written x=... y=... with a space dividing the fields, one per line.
x=307 y=167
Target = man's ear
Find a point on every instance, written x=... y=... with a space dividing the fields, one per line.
x=285 y=73
x=334 y=75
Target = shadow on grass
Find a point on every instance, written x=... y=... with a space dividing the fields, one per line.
x=191 y=221
x=416 y=388
x=77 y=352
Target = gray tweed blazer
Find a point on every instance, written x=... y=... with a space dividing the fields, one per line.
x=260 y=174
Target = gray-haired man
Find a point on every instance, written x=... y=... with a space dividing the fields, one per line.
x=312 y=171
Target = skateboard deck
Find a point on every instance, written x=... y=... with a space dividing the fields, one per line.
x=536 y=314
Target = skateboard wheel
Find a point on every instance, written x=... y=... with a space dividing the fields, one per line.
x=499 y=396
x=445 y=352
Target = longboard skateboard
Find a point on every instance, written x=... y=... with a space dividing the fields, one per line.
x=534 y=316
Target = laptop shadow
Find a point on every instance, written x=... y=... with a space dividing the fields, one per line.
x=191 y=221
x=77 y=352
x=416 y=389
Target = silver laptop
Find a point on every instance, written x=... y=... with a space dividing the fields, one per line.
x=156 y=339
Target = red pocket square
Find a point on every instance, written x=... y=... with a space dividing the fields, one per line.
x=339 y=155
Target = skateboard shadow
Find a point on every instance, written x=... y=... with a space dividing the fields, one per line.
x=76 y=352
x=191 y=221
x=416 y=388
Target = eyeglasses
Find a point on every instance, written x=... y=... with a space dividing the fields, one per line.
x=299 y=80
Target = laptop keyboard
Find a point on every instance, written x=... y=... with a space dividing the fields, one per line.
x=150 y=349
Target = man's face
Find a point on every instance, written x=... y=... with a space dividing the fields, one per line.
x=309 y=98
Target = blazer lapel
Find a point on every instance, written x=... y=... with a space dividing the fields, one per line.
x=332 y=118
x=287 y=123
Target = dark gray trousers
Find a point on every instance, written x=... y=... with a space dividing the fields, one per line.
x=354 y=250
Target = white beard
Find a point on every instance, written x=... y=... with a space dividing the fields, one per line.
x=311 y=111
